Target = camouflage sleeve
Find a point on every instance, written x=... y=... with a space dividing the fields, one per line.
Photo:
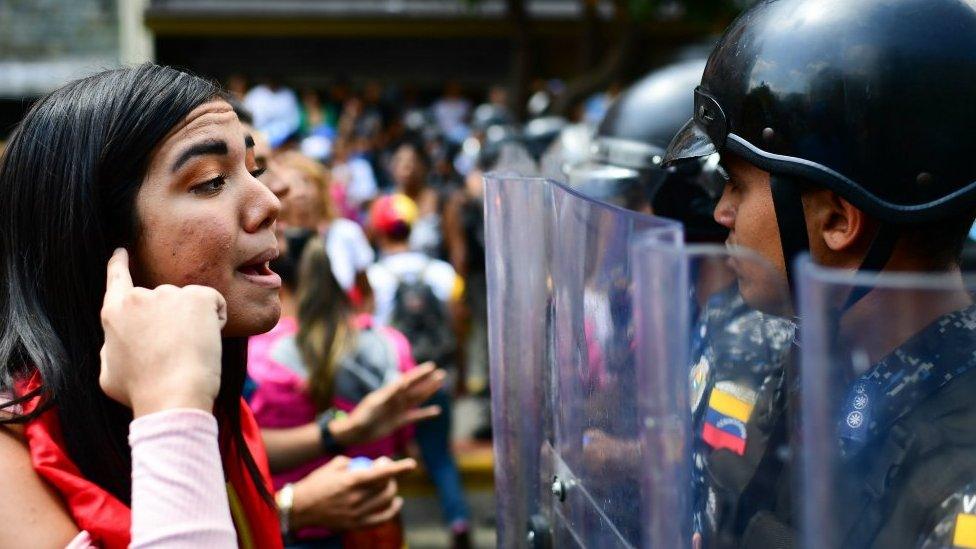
x=953 y=523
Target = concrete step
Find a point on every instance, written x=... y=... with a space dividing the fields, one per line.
x=475 y=461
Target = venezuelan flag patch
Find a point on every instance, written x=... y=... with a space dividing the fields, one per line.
x=964 y=533
x=729 y=408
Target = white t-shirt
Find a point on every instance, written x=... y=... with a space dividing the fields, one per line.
x=276 y=112
x=426 y=235
x=450 y=114
x=386 y=274
x=357 y=175
x=349 y=251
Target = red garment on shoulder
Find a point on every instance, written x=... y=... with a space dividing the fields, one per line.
x=106 y=519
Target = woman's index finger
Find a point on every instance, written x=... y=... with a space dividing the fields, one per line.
x=385 y=471
x=118 y=280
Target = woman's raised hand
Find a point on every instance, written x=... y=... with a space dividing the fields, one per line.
x=162 y=346
x=392 y=406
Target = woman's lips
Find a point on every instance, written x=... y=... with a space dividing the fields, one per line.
x=258 y=272
x=261 y=275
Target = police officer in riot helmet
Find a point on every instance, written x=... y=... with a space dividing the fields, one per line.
x=625 y=164
x=845 y=127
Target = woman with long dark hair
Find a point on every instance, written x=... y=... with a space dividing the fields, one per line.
x=152 y=160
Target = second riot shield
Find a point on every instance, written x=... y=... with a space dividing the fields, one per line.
x=562 y=355
x=888 y=414
x=714 y=341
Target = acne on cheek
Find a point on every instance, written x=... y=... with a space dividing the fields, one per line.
x=202 y=251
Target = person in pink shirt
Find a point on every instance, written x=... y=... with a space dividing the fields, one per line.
x=353 y=391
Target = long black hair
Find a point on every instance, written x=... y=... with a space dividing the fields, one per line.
x=68 y=183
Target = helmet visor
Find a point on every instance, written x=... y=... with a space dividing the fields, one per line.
x=691 y=142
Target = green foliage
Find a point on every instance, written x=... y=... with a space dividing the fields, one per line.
x=643 y=10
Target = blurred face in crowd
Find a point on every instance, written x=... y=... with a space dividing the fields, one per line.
x=310 y=97
x=305 y=204
x=373 y=92
x=237 y=85
x=498 y=95
x=408 y=169
x=204 y=218
x=452 y=89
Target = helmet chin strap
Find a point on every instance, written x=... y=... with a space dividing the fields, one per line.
x=791 y=221
x=879 y=252
x=794 y=240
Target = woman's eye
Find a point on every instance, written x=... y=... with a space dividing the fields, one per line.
x=258 y=172
x=209 y=187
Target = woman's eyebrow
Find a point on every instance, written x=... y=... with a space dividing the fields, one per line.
x=214 y=146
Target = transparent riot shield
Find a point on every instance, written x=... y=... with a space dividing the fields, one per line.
x=572 y=147
x=888 y=413
x=714 y=340
x=562 y=356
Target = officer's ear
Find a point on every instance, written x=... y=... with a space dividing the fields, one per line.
x=839 y=232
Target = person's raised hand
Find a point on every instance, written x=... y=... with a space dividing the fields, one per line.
x=609 y=455
x=337 y=498
x=162 y=346
x=393 y=406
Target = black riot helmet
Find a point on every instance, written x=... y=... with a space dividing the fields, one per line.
x=625 y=161
x=539 y=133
x=872 y=99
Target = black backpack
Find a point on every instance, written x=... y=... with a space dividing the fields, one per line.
x=423 y=319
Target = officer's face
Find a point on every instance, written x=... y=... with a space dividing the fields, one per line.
x=746 y=209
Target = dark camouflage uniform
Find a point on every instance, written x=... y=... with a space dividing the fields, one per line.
x=906 y=448
x=744 y=350
x=918 y=400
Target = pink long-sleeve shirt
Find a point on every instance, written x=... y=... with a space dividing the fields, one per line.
x=179 y=498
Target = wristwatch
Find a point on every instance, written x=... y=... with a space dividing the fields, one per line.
x=285 y=500
x=329 y=444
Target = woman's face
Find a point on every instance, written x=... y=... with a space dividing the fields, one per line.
x=408 y=171
x=205 y=219
x=303 y=206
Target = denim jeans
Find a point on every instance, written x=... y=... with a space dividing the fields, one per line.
x=434 y=439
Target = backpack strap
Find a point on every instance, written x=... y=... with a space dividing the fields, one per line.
x=421 y=276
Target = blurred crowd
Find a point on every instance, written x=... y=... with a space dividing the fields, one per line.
x=381 y=235
x=341 y=150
